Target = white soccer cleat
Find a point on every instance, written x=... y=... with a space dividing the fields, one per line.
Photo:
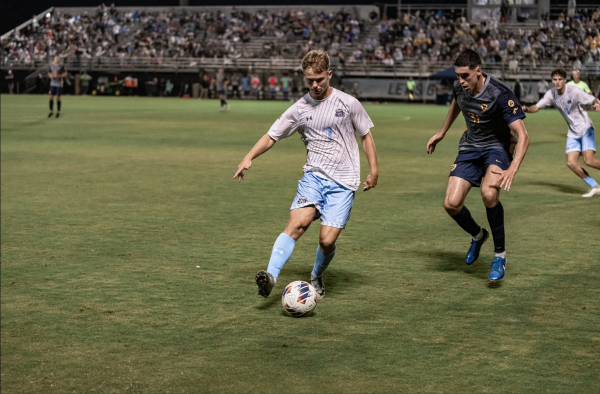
x=318 y=284
x=592 y=192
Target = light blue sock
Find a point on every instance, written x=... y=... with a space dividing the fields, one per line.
x=590 y=181
x=322 y=262
x=282 y=250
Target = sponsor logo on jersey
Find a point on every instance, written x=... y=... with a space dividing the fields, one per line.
x=453 y=167
x=511 y=103
x=302 y=200
x=308 y=118
x=483 y=107
x=339 y=113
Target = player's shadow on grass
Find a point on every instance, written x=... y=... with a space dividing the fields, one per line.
x=559 y=187
x=453 y=261
x=337 y=283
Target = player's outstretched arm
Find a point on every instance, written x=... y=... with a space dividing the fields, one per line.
x=453 y=112
x=263 y=145
x=369 y=147
x=532 y=109
x=506 y=177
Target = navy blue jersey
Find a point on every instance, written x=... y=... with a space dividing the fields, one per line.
x=488 y=115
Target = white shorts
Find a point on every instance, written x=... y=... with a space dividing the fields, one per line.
x=587 y=142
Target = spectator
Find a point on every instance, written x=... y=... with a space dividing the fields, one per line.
x=410 y=88
x=518 y=90
x=204 y=85
x=246 y=86
x=542 y=88
x=285 y=86
x=10 y=81
x=272 y=87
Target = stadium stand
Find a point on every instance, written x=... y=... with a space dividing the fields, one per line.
x=418 y=43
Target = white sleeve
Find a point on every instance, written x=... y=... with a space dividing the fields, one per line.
x=583 y=97
x=286 y=125
x=360 y=119
x=546 y=100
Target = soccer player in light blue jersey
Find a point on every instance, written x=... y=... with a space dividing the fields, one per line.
x=581 y=138
x=485 y=153
x=328 y=121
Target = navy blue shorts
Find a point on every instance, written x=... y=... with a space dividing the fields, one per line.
x=472 y=165
x=55 y=90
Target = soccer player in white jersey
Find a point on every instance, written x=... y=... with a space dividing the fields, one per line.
x=569 y=99
x=328 y=122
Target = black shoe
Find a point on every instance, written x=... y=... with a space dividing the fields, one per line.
x=265 y=282
x=57 y=114
x=50 y=115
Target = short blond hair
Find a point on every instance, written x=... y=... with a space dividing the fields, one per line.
x=316 y=59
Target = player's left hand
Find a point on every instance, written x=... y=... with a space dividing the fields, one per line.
x=505 y=178
x=596 y=107
x=371 y=182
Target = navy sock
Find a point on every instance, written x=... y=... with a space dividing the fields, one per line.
x=58 y=106
x=51 y=105
x=495 y=217
x=222 y=102
x=466 y=221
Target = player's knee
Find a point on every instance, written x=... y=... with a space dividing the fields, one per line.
x=588 y=160
x=452 y=207
x=572 y=165
x=327 y=244
x=490 y=197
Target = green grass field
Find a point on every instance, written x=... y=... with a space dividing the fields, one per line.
x=129 y=255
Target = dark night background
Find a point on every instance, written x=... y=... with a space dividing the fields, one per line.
x=14 y=12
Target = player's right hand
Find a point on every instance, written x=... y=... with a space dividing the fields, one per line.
x=244 y=165
x=524 y=108
x=433 y=142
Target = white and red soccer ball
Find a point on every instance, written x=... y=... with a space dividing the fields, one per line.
x=299 y=298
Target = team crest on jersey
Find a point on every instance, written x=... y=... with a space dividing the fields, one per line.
x=511 y=103
x=302 y=200
x=339 y=113
x=483 y=107
x=569 y=102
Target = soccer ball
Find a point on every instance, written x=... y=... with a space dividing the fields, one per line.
x=299 y=298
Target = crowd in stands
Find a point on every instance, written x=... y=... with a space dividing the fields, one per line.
x=111 y=33
x=439 y=36
x=426 y=36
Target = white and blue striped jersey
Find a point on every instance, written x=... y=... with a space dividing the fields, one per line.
x=569 y=105
x=328 y=129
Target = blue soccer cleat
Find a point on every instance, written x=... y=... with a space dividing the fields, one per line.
x=498 y=267
x=473 y=253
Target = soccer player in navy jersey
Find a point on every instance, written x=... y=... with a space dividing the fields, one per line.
x=56 y=74
x=485 y=159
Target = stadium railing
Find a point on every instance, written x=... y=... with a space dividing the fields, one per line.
x=407 y=68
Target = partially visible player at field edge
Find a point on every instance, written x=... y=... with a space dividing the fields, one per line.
x=56 y=74
x=581 y=139
x=328 y=122
x=578 y=82
x=494 y=117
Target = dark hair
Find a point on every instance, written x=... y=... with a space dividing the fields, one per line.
x=560 y=71
x=468 y=58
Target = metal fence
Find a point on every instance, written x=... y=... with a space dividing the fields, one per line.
x=407 y=68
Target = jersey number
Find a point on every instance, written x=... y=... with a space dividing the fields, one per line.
x=330 y=130
x=473 y=116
